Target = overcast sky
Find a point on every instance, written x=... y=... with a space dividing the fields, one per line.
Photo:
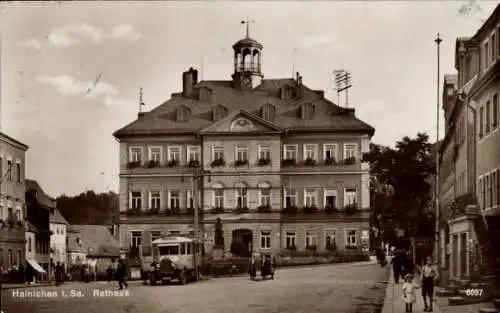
x=52 y=53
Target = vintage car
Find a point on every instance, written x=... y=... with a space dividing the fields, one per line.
x=174 y=259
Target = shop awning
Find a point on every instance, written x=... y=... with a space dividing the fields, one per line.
x=36 y=266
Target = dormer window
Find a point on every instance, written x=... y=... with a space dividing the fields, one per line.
x=205 y=94
x=268 y=112
x=286 y=93
x=307 y=111
x=218 y=112
x=182 y=113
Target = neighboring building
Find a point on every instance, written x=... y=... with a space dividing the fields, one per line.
x=58 y=225
x=92 y=244
x=12 y=202
x=39 y=208
x=266 y=147
x=470 y=153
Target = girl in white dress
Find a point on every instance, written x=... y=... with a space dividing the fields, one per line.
x=409 y=292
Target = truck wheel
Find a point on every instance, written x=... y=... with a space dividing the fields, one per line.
x=183 y=277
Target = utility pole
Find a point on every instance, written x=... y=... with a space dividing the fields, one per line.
x=437 y=217
x=195 y=184
x=343 y=82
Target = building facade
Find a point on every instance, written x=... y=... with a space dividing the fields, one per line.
x=58 y=227
x=473 y=141
x=12 y=201
x=275 y=161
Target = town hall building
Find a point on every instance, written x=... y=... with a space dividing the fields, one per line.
x=277 y=163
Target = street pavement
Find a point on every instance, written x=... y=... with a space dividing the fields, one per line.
x=338 y=288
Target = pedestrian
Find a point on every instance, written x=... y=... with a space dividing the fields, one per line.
x=109 y=273
x=409 y=292
x=121 y=273
x=396 y=267
x=57 y=273
x=428 y=277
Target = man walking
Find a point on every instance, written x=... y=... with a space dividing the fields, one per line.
x=121 y=273
x=396 y=267
x=428 y=277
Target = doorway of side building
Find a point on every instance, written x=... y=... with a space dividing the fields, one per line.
x=242 y=243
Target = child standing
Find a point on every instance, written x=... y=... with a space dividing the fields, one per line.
x=409 y=292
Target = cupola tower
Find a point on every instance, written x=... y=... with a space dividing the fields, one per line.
x=247 y=61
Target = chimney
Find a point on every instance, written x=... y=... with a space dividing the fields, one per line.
x=297 y=76
x=187 y=84
x=140 y=114
x=298 y=91
x=194 y=74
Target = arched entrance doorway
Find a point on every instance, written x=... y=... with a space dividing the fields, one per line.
x=242 y=243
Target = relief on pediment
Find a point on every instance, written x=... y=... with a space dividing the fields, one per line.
x=242 y=124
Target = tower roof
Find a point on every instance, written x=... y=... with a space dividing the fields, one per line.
x=247 y=42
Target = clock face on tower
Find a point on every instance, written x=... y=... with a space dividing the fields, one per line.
x=246 y=82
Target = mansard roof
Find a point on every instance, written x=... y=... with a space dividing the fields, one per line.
x=328 y=116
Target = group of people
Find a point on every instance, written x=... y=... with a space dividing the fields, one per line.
x=19 y=273
x=120 y=273
x=267 y=265
x=428 y=278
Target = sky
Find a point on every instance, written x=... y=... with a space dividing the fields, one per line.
x=71 y=72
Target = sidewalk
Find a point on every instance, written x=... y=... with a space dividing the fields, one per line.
x=393 y=302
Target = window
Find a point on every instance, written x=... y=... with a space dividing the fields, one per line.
x=10 y=214
x=494 y=123
x=482 y=193
x=265 y=196
x=264 y=153
x=155 y=200
x=135 y=200
x=218 y=153
x=310 y=239
x=290 y=240
x=481 y=122
x=494 y=189
x=310 y=152
x=330 y=240
x=241 y=196
x=290 y=152
x=218 y=197
x=350 y=238
x=1 y=257
x=189 y=199
x=310 y=197
x=136 y=239
x=174 y=153
x=241 y=153
x=173 y=199
x=265 y=239
x=330 y=152
x=18 y=215
x=350 y=196
x=182 y=113
x=9 y=169
x=155 y=154
x=193 y=153
x=486 y=56
x=290 y=197
x=350 y=150
x=307 y=111
x=268 y=111
x=10 y=259
x=488 y=117
x=488 y=192
x=493 y=52
x=135 y=154
x=18 y=172
x=218 y=112
x=30 y=247
x=330 y=198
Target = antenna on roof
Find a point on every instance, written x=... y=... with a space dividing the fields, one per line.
x=293 y=61
x=201 y=67
x=343 y=81
x=141 y=102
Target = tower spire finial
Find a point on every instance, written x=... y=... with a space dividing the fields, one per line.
x=247 y=22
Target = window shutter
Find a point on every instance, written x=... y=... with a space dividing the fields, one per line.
x=150 y=201
x=168 y=200
x=130 y=200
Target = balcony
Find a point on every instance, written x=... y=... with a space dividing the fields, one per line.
x=330 y=164
x=156 y=167
x=176 y=213
x=264 y=162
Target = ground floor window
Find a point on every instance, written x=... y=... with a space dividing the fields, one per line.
x=330 y=242
x=290 y=240
x=265 y=239
x=350 y=239
x=310 y=240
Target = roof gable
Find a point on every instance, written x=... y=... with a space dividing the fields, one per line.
x=95 y=240
x=241 y=121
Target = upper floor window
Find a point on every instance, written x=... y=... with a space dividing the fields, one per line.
x=330 y=198
x=290 y=152
x=350 y=196
x=493 y=52
x=290 y=197
x=307 y=111
x=218 y=196
x=193 y=153
x=155 y=200
x=310 y=152
x=174 y=153
x=136 y=200
x=488 y=117
x=218 y=153
x=182 y=113
x=18 y=172
x=241 y=153
x=310 y=196
x=173 y=199
x=330 y=152
x=350 y=151
x=264 y=153
x=268 y=111
x=155 y=235
x=494 y=123
x=481 y=121
x=9 y=169
x=486 y=60
x=135 y=154
x=204 y=94
x=135 y=239
x=155 y=154
x=264 y=194
x=241 y=195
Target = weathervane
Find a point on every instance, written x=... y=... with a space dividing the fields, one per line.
x=247 y=22
x=141 y=102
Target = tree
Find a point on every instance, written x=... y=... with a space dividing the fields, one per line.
x=401 y=179
x=89 y=208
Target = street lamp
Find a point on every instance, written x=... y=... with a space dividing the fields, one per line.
x=438 y=41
